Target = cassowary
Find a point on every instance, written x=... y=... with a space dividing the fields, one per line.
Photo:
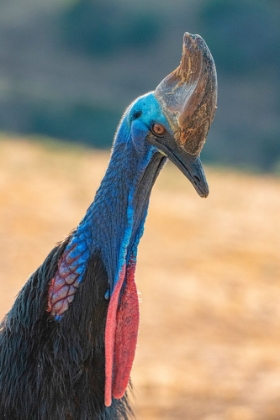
x=68 y=343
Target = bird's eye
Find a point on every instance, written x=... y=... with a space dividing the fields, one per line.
x=158 y=129
x=137 y=115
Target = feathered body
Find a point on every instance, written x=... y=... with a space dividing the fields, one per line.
x=68 y=343
x=56 y=370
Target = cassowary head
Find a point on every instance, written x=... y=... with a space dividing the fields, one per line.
x=176 y=117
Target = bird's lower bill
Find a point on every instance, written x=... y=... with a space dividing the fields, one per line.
x=192 y=168
x=188 y=164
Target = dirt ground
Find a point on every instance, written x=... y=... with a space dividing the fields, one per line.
x=208 y=273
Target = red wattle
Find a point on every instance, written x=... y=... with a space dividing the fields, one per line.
x=126 y=334
x=110 y=332
x=121 y=335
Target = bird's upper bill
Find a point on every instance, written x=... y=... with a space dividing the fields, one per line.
x=188 y=95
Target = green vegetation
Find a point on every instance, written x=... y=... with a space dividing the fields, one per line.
x=101 y=27
x=243 y=34
x=78 y=122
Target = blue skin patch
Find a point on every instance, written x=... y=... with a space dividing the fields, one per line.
x=109 y=222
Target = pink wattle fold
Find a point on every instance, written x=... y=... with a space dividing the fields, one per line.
x=121 y=333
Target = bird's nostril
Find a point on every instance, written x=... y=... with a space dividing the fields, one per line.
x=197 y=178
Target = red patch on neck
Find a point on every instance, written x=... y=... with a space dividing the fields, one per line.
x=121 y=335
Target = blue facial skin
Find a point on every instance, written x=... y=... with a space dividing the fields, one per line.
x=142 y=114
x=114 y=222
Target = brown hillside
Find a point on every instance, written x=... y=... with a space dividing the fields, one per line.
x=208 y=272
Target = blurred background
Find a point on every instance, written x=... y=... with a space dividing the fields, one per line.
x=208 y=270
x=68 y=68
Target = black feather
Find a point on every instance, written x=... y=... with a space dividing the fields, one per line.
x=55 y=370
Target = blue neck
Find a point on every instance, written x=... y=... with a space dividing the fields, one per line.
x=114 y=223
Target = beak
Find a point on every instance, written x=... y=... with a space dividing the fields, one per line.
x=188 y=98
x=188 y=164
x=192 y=168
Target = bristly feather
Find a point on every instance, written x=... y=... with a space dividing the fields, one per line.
x=64 y=376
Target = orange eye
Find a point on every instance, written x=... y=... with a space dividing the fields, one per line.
x=158 y=129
